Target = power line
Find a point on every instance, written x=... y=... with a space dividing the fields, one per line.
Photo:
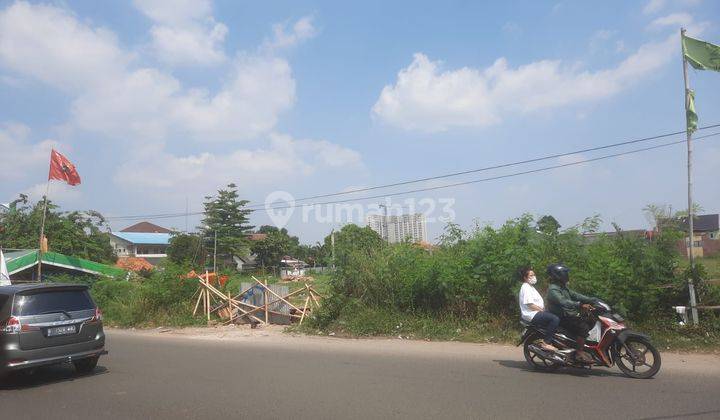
x=500 y=166
x=544 y=169
x=514 y=174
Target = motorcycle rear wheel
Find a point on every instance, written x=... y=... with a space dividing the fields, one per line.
x=630 y=364
x=534 y=360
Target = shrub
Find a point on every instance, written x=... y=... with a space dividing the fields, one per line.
x=471 y=274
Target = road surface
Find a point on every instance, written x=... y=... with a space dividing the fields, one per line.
x=150 y=375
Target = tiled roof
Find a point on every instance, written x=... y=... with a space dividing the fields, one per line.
x=133 y=263
x=146 y=227
x=257 y=236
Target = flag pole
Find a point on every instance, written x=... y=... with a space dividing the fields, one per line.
x=691 y=228
x=42 y=230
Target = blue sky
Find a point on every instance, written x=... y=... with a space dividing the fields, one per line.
x=157 y=102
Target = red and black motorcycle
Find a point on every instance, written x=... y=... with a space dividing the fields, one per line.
x=610 y=342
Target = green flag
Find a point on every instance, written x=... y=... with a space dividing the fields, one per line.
x=700 y=54
x=690 y=114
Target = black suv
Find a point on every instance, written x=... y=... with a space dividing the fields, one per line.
x=44 y=324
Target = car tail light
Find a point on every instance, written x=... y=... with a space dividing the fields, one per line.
x=26 y=328
x=98 y=316
x=11 y=326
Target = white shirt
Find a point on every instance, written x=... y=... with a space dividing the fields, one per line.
x=528 y=294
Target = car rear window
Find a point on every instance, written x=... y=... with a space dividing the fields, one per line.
x=3 y=300
x=52 y=301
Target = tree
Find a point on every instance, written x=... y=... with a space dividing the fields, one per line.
x=186 y=250
x=78 y=234
x=656 y=214
x=661 y=216
x=352 y=238
x=276 y=244
x=548 y=225
x=697 y=208
x=226 y=217
x=311 y=254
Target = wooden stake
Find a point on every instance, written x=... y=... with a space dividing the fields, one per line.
x=265 y=299
x=229 y=305
x=307 y=300
x=312 y=295
x=207 y=283
x=201 y=296
x=316 y=292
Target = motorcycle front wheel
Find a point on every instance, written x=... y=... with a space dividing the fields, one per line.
x=638 y=358
x=533 y=359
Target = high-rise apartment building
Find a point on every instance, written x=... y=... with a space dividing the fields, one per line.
x=394 y=229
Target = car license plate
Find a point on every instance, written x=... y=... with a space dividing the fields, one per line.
x=64 y=330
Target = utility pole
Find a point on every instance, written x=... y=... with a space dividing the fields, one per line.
x=43 y=242
x=215 y=254
x=384 y=225
x=691 y=227
x=187 y=210
x=332 y=247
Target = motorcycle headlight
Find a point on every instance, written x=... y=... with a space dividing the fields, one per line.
x=617 y=318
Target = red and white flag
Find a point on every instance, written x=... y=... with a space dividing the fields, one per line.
x=62 y=169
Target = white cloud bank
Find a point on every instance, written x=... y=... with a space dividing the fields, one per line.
x=119 y=100
x=145 y=107
x=285 y=157
x=425 y=97
x=654 y=6
x=184 y=31
x=18 y=156
x=285 y=35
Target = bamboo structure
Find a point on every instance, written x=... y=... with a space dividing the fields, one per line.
x=234 y=309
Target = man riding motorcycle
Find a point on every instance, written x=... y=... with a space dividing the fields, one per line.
x=569 y=306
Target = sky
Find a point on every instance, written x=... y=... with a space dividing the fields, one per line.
x=159 y=103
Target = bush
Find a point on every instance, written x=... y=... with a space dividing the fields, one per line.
x=474 y=274
x=164 y=298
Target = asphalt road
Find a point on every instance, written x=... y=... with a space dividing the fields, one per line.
x=156 y=376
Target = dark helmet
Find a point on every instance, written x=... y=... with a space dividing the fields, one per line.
x=558 y=273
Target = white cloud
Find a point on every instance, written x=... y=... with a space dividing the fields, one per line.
x=286 y=157
x=50 y=44
x=59 y=193
x=185 y=32
x=425 y=97
x=147 y=103
x=674 y=19
x=175 y=12
x=115 y=96
x=571 y=159
x=123 y=101
x=19 y=158
x=300 y=31
x=653 y=6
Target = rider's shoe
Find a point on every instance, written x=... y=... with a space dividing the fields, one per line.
x=547 y=347
x=583 y=357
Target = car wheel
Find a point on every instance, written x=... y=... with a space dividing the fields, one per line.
x=86 y=365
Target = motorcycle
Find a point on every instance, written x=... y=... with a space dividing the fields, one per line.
x=610 y=342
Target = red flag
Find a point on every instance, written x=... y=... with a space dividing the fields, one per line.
x=61 y=168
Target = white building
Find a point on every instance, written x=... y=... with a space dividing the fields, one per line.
x=395 y=229
x=143 y=240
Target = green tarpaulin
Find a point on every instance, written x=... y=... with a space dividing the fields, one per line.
x=21 y=260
